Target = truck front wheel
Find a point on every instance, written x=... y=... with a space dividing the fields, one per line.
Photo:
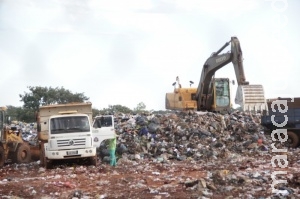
x=48 y=164
x=293 y=139
x=44 y=162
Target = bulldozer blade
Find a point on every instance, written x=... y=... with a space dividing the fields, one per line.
x=251 y=98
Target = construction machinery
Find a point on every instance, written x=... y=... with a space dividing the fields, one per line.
x=283 y=114
x=181 y=98
x=12 y=146
x=65 y=132
x=213 y=94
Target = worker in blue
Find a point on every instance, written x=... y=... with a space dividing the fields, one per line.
x=112 y=150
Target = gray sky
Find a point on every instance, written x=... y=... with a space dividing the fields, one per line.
x=126 y=52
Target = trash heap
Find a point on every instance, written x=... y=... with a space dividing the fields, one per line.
x=188 y=135
x=233 y=150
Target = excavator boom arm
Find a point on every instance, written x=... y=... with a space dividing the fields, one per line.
x=237 y=61
x=212 y=64
x=216 y=61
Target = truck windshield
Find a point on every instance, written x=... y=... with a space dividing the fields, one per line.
x=69 y=124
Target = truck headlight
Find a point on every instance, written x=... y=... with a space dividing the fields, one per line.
x=96 y=139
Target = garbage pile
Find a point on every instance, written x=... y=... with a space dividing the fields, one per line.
x=190 y=135
x=29 y=130
x=232 y=149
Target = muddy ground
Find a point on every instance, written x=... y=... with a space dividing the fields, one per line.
x=233 y=176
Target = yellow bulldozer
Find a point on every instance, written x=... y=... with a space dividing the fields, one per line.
x=12 y=146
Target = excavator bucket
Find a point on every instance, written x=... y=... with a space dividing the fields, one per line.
x=251 y=98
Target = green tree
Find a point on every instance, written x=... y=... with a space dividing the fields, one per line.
x=114 y=109
x=120 y=108
x=95 y=112
x=27 y=115
x=140 y=107
x=14 y=112
x=40 y=96
x=20 y=114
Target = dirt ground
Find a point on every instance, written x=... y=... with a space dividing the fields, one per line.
x=103 y=181
x=240 y=178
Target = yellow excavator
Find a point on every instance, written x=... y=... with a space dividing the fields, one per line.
x=213 y=94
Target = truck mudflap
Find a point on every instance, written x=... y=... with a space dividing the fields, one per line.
x=71 y=154
x=251 y=98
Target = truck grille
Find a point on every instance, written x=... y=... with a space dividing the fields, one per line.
x=71 y=142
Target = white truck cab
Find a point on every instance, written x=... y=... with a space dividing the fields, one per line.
x=65 y=132
x=70 y=137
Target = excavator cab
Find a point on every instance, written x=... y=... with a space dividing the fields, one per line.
x=218 y=97
x=184 y=99
x=221 y=94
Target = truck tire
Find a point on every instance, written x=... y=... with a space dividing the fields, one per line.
x=293 y=139
x=44 y=162
x=94 y=161
x=2 y=156
x=22 y=154
x=42 y=155
x=48 y=164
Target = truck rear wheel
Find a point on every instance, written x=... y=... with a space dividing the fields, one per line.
x=22 y=154
x=2 y=156
x=293 y=139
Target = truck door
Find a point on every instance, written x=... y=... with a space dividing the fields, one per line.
x=103 y=128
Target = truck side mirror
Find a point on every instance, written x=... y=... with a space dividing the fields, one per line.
x=233 y=82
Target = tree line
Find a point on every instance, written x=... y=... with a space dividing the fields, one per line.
x=41 y=96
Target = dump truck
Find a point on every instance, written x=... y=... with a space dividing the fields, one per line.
x=213 y=94
x=12 y=146
x=283 y=113
x=65 y=132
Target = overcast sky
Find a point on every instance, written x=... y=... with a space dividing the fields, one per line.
x=120 y=52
